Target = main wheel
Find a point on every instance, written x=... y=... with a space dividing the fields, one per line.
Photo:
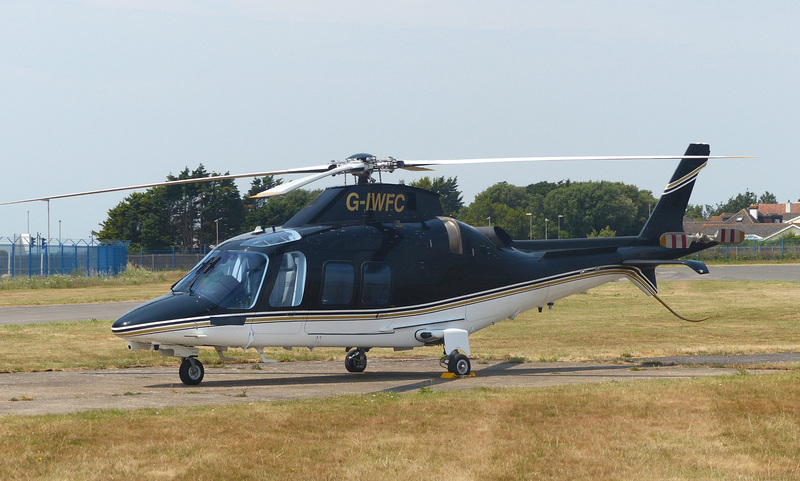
x=191 y=371
x=459 y=364
x=355 y=360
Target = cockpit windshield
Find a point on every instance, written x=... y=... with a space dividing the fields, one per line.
x=231 y=279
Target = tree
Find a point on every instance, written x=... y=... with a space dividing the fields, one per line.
x=735 y=204
x=185 y=216
x=607 y=231
x=502 y=204
x=258 y=185
x=591 y=206
x=577 y=208
x=739 y=202
x=767 y=198
x=698 y=212
x=275 y=211
x=195 y=207
x=450 y=196
x=221 y=211
x=142 y=218
x=183 y=204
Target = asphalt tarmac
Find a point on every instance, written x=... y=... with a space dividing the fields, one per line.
x=159 y=388
x=64 y=312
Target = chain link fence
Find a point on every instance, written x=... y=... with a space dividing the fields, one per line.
x=754 y=250
x=167 y=260
x=35 y=256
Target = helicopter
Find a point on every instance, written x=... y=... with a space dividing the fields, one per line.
x=378 y=265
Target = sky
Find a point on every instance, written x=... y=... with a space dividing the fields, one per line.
x=97 y=94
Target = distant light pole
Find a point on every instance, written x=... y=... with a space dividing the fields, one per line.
x=489 y=220
x=530 y=225
x=559 y=225
x=59 y=231
x=217 y=222
x=546 y=220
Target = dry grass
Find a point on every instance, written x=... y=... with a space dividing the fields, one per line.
x=610 y=322
x=745 y=427
x=133 y=285
x=618 y=321
x=740 y=427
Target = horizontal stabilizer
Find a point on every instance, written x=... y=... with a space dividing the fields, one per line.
x=682 y=240
x=677 y=240
x=729 y=235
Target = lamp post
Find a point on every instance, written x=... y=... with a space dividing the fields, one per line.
x=217 y=223
x=530 y=225
x=546 y=220
x=559 y=225
x=489 y=220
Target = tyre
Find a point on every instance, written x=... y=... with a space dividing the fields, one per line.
x=191 y=372
x=459 y=364
x=356 y=360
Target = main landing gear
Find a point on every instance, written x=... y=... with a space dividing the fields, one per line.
x=456 y=363
x=356 y=360
x=191 y=371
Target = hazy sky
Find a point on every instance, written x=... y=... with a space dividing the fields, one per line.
x=97 y=94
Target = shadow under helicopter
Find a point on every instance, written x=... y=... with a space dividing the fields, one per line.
x=404 y=381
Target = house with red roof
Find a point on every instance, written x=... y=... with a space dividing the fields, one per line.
x=763 y=222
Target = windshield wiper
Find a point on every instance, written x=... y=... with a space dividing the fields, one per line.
x=203 y=270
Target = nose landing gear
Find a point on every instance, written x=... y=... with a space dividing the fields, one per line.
x=191 y=371
x=356 y=360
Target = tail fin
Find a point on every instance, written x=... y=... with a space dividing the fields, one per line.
x=669 y=212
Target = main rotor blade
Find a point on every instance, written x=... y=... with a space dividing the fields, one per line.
x=414 y=164
x=297 y=183
x=301 y=170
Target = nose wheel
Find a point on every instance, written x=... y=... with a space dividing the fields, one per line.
x=191 y=371
x=356 y=360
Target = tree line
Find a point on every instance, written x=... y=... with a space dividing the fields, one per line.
x=733 y=205
x=190 y=216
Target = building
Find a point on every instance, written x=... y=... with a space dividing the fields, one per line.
x=764 y=222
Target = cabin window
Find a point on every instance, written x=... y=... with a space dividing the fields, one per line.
x=377 y=284
x=290 y=282
x=230 y=279
x=338 y=283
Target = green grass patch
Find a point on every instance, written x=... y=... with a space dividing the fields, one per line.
x=132 y=276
